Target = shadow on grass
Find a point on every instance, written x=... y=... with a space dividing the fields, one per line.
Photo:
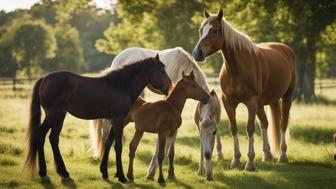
x=69 y=183
x=313 y=135
x=48 y=185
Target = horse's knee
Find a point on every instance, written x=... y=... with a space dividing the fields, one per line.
x=250 y=130
x=234 y=131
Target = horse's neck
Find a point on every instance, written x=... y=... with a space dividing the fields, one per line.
x=238 y=62
x=136 y=85
x=177 y=99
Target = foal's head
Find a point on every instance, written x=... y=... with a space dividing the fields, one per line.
x=192 y=89
x=208 y=118
x=211 y=36
x=159 y=78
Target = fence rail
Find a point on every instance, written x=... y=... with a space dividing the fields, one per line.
x=8 y=84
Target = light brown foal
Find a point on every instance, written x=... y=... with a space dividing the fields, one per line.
x=164 y=118
x=255 y=75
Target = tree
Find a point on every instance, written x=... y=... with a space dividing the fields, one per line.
x=152 y=24
x=28 y=44
x=69 y=53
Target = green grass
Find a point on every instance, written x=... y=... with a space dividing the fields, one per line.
x=309 y=152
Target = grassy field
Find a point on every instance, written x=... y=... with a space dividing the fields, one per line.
x=309 y=152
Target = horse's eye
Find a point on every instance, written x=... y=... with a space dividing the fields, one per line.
x=214 y=31
x=214 y=132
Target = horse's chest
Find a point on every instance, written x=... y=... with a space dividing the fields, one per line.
x=234 y=89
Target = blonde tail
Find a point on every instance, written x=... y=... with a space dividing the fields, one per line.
x=274 y=129
x=99 y=129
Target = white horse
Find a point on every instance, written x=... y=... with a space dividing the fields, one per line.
x=206 y=116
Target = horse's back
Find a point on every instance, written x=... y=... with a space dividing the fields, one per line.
x=278 y=68
x=131 y=55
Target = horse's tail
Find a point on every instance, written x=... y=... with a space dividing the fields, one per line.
x=31 y=133
x=274 y=134
x=99 y=130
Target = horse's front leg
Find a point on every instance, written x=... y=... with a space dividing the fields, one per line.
x=201 y=161
x=252 y=109
x=107 y=147
x=230 y=108
x=118 y=126
x=171 y=142
x=162 y=143
x=219 y=146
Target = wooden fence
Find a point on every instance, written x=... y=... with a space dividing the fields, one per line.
x=25 y=84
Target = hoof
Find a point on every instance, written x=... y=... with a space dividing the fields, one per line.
x=122 y=179
x=105 y=176
x=161 y=180
x=130 y=177
x=64 y=179
x=45 y=179
x=250 y=166
x=172 y=177
x=283 y=158
x=209 y=177
x=200 y=171
x=235 y=163
x=267 y=156
x=150 y=176
x=220 y=156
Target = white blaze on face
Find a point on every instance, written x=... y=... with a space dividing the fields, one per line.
x=205 y=32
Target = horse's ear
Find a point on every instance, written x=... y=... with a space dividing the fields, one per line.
x=191 y=75
x=220 y=15
x=206 y=14
x=212 y=92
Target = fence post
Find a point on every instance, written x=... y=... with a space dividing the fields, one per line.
x=14 y=83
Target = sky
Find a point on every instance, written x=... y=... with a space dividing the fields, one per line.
x=10 y=5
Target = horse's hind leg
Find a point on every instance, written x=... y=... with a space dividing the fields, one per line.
x=44 y=128
x=132 y=148
x=263 y=128
x=54 y=141
x=286 y=103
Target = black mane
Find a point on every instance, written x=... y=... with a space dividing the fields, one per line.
x=122 y=75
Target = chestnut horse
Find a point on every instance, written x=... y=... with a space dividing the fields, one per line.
x=164 y=118
x=206 y=117
x=62 y=92
x=255 y=75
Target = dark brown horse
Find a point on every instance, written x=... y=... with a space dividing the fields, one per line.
x=255 y=75
x=62 y=92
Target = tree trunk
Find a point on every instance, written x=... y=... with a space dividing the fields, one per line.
x=306 y=67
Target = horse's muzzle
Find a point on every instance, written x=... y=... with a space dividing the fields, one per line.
x=198 y=55
x=205 y=99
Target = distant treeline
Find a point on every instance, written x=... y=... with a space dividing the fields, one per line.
x=77 y=36
x=53 y=35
